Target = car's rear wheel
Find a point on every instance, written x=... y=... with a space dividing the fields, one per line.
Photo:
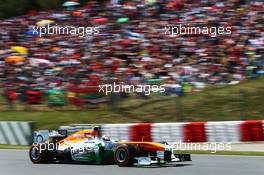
x=124 y=155
x=37 y=155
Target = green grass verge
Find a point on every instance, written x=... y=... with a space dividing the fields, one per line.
x=212 y=104
x=19 y=147
x=240 y=153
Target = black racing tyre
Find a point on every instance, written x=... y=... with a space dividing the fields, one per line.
x=67 y=155
x=124 y=155
x=37 y=155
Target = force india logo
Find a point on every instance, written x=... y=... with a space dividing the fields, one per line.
x=85 y=149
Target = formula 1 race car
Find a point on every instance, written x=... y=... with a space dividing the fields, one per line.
x=88 y=146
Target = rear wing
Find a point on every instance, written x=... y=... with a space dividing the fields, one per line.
x=64 y=131
x=45 y=135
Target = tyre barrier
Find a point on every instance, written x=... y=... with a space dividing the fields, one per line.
x=194 y=132
x=16 y=133
x=168 y=132
x=220 y=131
x=227 y=131
x=117 y=131
x=263 y=125
x=20 y=133
x=141 y=132
x=252 y=130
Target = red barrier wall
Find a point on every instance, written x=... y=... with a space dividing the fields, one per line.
x=195 y=132
x=252 y=131
x=140 y=132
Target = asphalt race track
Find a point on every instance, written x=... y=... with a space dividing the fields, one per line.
x=14 y=162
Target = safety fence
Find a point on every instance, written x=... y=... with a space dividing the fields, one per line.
x=220 y=131
x=16 y=133
x=21 y=133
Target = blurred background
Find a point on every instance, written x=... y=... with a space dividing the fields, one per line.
x=54 y=79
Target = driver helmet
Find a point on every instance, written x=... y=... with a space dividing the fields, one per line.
x=105 y=138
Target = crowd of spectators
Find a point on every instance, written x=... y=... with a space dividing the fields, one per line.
x=136 y=50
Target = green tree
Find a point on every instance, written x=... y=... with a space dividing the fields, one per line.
x=49 y=4
x=9 y=8
x=12 y=8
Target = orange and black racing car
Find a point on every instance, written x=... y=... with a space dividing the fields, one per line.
x=88 y=146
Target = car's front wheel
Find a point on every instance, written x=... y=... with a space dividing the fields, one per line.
x=124 y=155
